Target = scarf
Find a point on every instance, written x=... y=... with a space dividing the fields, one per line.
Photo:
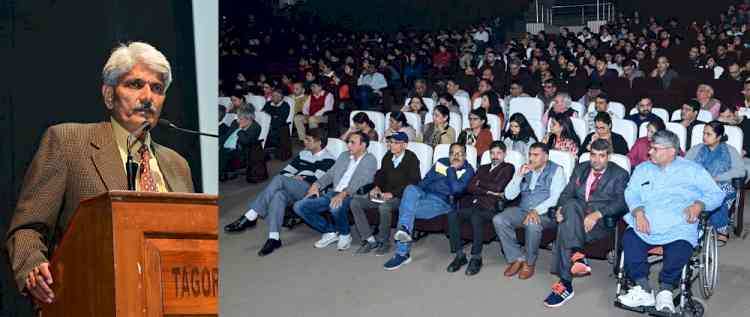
x=715 y=162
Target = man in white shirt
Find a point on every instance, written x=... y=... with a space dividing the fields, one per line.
x=369 y=85
x=352 y=170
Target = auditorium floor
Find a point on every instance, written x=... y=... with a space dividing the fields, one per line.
x=298 y=280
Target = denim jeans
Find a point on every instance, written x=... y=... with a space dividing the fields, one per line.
x=310 y=209
x=416 y=203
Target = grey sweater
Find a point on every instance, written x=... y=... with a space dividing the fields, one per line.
x=363 y=174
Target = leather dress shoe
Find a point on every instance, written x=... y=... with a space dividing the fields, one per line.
x=457 y=263
x=240 y=225
x=475 y=264
x=269 y=247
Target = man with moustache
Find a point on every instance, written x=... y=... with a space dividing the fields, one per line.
x=449 y=176
x=79 y=161
x=644 y=112
x=595 y=190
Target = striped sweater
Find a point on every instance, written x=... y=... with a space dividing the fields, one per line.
x=310 y=166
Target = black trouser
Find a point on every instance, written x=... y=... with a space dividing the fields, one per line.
x=572 y=236
x=478 y=216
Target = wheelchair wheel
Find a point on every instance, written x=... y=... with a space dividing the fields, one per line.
x=695 y=308
x=709 y=263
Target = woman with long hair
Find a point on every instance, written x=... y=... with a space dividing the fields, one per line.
x=362 y=123
x=562 y=136
x=519 y=135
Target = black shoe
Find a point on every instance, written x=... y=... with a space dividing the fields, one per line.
x=269 y=247
x=458 y=262
x=475 y=264
x=240 y=225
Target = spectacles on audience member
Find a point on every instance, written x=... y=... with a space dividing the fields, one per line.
x=474 y=118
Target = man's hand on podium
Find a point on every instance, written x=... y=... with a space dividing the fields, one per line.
x=38 y=284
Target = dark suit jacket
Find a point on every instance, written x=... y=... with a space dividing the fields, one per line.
x=74 y=162
x=484 y=181
x=609 y=197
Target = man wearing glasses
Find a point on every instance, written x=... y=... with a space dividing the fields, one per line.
x=399 y=168
x=665 y=196
x=430 y=198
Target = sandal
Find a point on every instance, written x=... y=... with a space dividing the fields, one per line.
x=721 y=239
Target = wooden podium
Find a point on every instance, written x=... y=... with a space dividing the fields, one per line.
x=138 y=254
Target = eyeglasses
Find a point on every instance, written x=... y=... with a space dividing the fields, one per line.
x=474 y=118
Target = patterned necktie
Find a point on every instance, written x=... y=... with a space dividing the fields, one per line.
x=147 y=182
x=594 y=184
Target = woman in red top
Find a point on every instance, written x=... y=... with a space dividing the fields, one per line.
x=639 y=152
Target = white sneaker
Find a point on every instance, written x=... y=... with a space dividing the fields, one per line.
x=326 y=240
x=665 y=301
x=345 y=241
x=636 y=296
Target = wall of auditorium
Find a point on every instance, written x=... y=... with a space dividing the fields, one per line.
x=57 y=50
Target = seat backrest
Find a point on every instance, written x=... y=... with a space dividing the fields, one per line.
x=618 y=109
x=627 y=129
x=443 y=150
x=696 y=137
x=494 y=121
x=464 y=104
x=378 y=150
x=703 y=115
x=336 y=146
x=264 y=121
x=376 y=117
x=643 y=129
x=619 y=159
x=564 y=159
x=428 y=102
x=455 y=123
x=662 y=113
x=579 y=125
x=532 y=108
x=735 y=137
x=512 y=157
x=290 y=101
x=257 y=101
x=578 y=107
x=413 y=119
x=424 y=153
x=539 y=130
x=225 y=101
x=680 y=131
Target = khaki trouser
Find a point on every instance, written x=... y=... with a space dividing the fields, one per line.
x=300 y=120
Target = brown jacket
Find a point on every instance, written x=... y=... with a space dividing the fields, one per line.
x=74 y=162
x=485 y=180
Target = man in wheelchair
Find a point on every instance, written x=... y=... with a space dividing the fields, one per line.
x=666 y=196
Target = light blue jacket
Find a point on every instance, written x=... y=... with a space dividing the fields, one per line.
x=665 y=193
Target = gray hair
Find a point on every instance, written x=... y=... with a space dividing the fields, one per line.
x=566 y=98
x=667 y=138
x=125 y=57
x=245 y=113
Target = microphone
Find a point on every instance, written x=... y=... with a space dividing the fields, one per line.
x=169 y=124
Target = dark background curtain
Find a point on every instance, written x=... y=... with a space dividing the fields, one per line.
x=52 y=74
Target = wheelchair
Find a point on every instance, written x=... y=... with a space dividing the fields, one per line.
x=703 y=267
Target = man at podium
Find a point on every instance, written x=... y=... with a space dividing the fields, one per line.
x=77 y=161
